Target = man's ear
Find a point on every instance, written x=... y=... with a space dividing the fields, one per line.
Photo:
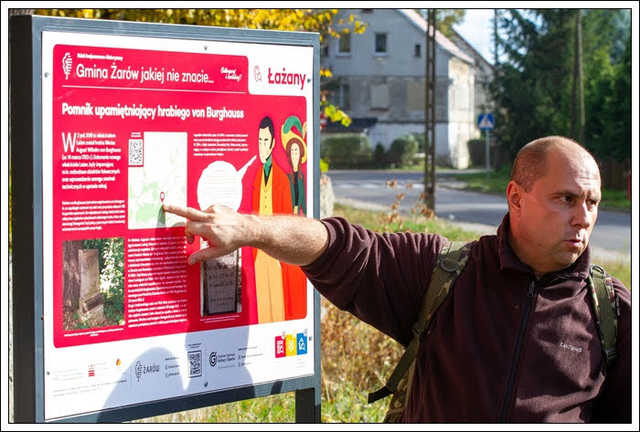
x=514 y=196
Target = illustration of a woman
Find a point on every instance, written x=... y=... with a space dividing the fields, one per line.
x=294 y=281
x=296 y=151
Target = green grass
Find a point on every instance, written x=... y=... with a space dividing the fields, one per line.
x=615 y=199
x=621 y=270
x=269 y=409
x=495 y=182
x=356 y=358
x=379 y=221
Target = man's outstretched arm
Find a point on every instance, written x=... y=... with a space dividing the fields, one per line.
x=293 y=239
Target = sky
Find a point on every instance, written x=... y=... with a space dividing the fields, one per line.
x=477 y=28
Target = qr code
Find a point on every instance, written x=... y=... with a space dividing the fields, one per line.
x=136 y=152
x=195 y=364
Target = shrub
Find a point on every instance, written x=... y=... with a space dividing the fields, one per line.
x=379 y=156
x=346 y=151
x=402 y=151
x=476 y=151
x=419 y=137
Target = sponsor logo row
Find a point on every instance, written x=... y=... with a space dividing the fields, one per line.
x=286 y=345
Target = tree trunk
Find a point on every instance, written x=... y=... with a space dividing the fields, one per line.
x=577 y=97
x=495 y=37
x=581 y=116
x=71 y=274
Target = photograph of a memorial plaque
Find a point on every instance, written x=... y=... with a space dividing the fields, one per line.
x=222 y=284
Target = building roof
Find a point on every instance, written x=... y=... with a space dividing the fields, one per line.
x=420 y=23
x=476 y=54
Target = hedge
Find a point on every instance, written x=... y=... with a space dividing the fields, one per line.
x=346 y=151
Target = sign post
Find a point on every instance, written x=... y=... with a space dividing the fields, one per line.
x=485 y=123
x=109 y=121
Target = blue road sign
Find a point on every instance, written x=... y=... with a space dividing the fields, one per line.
x=485 y=121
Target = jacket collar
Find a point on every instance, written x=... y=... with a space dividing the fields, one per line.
x=510 y=261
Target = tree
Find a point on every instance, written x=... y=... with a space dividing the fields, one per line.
x=608 y=107
x=446 y=19
x=607 y=82
x=318 y=20
x=533 y=84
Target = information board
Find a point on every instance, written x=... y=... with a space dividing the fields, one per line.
x=130 y=123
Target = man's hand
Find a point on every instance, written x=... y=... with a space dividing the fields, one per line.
x=293 y=239
x=224 y=229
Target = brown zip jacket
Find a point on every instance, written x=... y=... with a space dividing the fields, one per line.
x=502 y=347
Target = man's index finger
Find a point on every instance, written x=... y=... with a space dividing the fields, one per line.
x=187 y=212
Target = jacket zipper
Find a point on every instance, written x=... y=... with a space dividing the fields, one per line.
x=523 y=325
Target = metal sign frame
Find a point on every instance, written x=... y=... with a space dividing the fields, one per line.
x=25 y=56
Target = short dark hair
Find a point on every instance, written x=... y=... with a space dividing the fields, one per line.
x=267 y=122
x=531 y=161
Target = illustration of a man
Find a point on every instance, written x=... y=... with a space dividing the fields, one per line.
x=271 y=195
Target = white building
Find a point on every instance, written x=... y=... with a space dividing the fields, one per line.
x=380 y=82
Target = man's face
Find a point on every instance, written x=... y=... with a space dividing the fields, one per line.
x=557 y=215
x=265 y=144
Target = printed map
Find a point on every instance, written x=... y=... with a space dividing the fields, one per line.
x=163 y=175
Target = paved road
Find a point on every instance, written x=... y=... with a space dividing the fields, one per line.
x=476 y=211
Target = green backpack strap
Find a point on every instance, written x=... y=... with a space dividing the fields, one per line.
x=606 y=308
x=451 y=261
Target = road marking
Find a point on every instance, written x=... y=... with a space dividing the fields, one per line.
x=359 y=185
x=400 y=186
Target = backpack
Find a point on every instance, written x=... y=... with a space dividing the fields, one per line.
x=452 y=260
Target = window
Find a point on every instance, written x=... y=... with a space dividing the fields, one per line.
x=341 y=96
x=324 y=50
x=344 y=43
x=345 y=97
x=379 y=96
x=381 y=43
x=416 y=50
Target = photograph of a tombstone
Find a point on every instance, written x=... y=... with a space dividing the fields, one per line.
x=93 y=283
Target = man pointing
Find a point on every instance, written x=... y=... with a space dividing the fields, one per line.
x=516 y=338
